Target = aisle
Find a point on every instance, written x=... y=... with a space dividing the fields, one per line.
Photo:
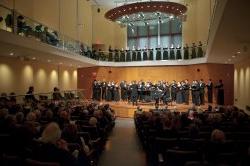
x=123 y=147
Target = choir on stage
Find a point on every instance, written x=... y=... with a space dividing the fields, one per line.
x=162 y=91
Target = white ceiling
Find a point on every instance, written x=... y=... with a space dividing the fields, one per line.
x=115 y=3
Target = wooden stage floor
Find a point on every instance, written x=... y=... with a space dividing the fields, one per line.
x=126 y=110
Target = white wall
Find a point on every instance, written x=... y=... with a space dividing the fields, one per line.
x=17 y=75
x=242 y=84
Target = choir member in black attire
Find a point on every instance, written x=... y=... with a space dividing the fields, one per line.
x=173 y=90
x=186 y=92
x=178 y=52
x=158 y=53
x=172 y=54
x=220 y=93
x=165 y=53
x=210 y=91
x=179 y=93
x=116 y=93
x=122 y=56
x=134 y=55
x=151 y=54
x=195 y=92
x=123 y=90
x=202 y=92
x=116 y=55
x=110 y=57
x=109 y=92
x=138 y=58
x=128 y=55
x=145 y=54
x=166 y=93
x=98 y=91
x=193 y=55
x=134 y=93
x=186 y=52
x=200 y=51
x=104 y=90
x=94 y=90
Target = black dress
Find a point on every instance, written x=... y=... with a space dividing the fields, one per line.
x=179 y=98
x=110 y=57
x=193 y=55
x=151 y=54
x=210 y=92
x=122 y=56
x=220 y=94
x=186 y=52
x=117 y=56
x=200 y=51
x=133 y=55
x=165 y=54
x=178 y=53
x=172 y=54
x=145 y=55
x=116 y=94
x=138 y=58
x=158 y=53
x=128 y=55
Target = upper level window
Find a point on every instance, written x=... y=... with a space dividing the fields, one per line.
x=161 y=34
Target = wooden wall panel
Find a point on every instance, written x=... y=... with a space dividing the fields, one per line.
x=169 y=73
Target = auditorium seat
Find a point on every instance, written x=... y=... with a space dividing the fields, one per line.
x=30 y=162
x=180 y=157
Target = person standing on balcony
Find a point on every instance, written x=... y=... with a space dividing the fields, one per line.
x=178 y=52
x=210 y=91
x=193 y=55
x=172 y=54
x=186 y=52
x=200 y=51
x=165 y=53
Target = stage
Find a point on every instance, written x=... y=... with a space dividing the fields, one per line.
x=126 y=110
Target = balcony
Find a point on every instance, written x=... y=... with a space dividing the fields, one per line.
x=24 y=31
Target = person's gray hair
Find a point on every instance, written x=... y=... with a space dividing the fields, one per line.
x=51 y=134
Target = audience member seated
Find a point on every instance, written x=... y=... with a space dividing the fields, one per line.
x=53 y=148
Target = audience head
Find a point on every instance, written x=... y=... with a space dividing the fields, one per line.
x=218 y=136
x=51 y=133
x=31 y=117
x=3 y=113
x=19 y=117
x=93 y=121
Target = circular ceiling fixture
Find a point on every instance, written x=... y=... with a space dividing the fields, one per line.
x=144 y=13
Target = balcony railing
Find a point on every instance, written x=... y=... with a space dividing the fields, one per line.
x=19 y=24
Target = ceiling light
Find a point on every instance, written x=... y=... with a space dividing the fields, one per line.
x=49 y=60
x=233 y=56
x=34 y=58
x=12 y=53
x=238 y=52
x=138 y=12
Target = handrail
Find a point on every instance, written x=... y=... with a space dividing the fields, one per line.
x=61 y=41
x=45 y=93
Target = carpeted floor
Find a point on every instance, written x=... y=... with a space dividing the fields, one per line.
x=123 y=147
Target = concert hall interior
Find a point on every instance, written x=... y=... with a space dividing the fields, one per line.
x=124 y=82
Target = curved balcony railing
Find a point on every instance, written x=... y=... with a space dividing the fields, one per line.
x=16 y=23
